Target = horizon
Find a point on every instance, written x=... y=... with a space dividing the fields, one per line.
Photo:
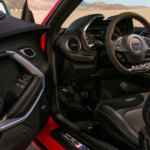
x=132 y=3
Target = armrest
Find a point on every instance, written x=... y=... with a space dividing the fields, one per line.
x=26 y=100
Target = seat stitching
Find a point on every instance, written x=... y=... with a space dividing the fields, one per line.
x=116 y=124
x=124 y=122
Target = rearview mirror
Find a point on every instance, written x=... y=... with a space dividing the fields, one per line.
x=4 y=8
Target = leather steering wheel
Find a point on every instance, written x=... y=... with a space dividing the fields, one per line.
x=132 y=49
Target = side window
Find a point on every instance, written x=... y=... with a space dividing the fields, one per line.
x=39 y=8
x=12 y=7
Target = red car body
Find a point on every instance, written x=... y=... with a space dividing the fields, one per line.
x=44 y=136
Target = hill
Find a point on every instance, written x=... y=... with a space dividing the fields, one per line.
x=85 y=4
x=101 y=6
x=137 y=7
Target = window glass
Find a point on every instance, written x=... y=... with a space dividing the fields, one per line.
x=110 y=8
x=39 y=8
x=14 y=7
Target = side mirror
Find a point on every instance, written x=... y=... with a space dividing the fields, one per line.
x=4 y=8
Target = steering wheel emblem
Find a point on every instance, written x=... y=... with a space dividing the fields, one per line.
x=136 y=44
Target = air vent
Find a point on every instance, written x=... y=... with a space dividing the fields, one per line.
x=28 y=52
x=147 y=40
x=74 y=44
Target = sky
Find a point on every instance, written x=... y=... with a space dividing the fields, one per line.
x=124 y=2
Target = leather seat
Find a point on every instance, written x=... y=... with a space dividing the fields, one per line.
x=121 y=119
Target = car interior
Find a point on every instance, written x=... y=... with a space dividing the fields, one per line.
x=93 y=78
x=103 y=78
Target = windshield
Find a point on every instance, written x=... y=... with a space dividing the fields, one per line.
x=110 y=8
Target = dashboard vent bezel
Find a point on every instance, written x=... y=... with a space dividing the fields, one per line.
x=69 y=47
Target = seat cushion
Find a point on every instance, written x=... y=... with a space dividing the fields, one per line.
x=123 y=115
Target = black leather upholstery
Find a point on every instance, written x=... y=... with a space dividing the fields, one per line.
x=123 y=116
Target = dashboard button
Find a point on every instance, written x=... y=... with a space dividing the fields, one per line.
x=147 y=60
x=20 y=85
x=26 y=78
x=121 y=58
x=118 y=46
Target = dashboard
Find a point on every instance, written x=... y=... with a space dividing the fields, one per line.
x=145 y=33
x=95 y=37
x=81 y=50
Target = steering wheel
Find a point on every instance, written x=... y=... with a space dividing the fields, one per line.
x=130 y=54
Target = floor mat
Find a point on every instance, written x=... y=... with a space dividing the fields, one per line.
x=111 y=89
x=85 y=125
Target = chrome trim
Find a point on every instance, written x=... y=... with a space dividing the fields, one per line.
x=23 y=52
x=68 y=46
x=120 y=38
x=139 y=68
x=8 y=123
x=86 y=27
x=132 y=47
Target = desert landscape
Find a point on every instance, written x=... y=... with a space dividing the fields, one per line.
x=107 y=10
x=107 y=13
x=40 y=9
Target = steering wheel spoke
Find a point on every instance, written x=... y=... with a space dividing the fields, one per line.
x=118 y=44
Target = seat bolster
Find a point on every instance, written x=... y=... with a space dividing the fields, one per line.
x=108 y=116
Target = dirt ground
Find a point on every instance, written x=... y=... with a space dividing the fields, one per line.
x=39 y=15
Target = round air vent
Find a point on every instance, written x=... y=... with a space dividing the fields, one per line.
x=74 y=44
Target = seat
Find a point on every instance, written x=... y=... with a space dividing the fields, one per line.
x=121 y=119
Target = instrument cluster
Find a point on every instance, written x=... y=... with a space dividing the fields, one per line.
x=96 y=37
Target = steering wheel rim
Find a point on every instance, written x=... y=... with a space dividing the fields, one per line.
x=110 y=45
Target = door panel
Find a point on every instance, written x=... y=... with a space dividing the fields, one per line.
x=23 y=79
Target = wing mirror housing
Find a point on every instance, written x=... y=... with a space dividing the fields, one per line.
x=4 y=8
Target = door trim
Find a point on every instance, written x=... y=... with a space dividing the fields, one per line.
x=9 y=123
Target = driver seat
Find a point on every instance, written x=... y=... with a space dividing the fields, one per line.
x=121 y=120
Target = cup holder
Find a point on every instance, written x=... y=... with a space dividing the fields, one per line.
x=28 y=52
